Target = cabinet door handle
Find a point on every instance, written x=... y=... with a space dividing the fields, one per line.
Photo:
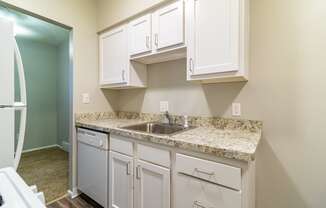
x=198 y=204
x=147 y=42
x=128 y=168
x=156 y=40
x=191 y=65
x=204 y=172
x=138 y=174
x=123 y=75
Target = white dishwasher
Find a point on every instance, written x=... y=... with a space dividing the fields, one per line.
x=93 y=160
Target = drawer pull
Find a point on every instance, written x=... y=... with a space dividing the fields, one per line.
x=138 y=174
x=191 y=65
x=156 y=40
x=128 y=168
x=198 y=204
x=147 y=42
x=204 y=172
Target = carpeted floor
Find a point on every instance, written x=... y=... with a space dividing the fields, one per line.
x=48 y=169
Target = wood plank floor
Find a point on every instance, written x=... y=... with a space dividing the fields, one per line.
x=79 y=202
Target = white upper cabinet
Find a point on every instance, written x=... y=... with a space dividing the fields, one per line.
x=217 y=40
x=212 y=34
x=116 y=69
x=159 y=36
x=168 y=25
x=114 y=56
x=140 y=34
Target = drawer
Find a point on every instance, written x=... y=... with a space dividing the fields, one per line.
x=154 y=155
x=121 y=145
x=210 y=171
x=196 y=193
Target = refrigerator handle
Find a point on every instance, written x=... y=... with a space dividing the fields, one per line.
x=21 y=106
x=21 y=137
x=21 y=75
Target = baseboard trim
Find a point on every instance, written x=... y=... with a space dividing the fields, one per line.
x=41 y=148
x=64 y=196
x=73 y=193
x=65 y=146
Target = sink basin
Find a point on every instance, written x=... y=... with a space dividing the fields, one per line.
x=157 y=128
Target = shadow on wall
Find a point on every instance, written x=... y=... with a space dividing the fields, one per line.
x=168 y=82
x=220 y=97
x=281 y=192
x=132 y=100
x=112 y=98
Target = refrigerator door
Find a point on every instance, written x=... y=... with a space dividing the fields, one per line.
x=6 y=63
x=7 y=131
x=20 y=106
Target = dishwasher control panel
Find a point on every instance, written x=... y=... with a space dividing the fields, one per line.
x=93 y=138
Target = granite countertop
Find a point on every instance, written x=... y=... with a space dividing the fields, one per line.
x=233 y=139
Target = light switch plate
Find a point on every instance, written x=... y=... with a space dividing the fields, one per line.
x=236 y=109
x=86 y=98
x=164 y=106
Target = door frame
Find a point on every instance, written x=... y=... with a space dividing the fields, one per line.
x=72 y=132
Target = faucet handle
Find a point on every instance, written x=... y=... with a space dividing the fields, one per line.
x=186 y=121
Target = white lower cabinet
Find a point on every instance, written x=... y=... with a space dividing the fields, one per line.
x=146 y=176
x=134 y=182
x=121 y=181
x=152 y=186
x=195 y=193
x=206 y=184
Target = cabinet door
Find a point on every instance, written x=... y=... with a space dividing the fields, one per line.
x=140 y=35
x=121 y=181
x=169 y=25
x=196 y=193
x=114 y=56
x=152 y=186
x=214 y=37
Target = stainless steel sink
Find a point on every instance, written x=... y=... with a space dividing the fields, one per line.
x=157 y=128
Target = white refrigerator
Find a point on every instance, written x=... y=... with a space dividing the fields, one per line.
x=9 y=55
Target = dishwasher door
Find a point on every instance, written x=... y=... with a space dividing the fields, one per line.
x=93 y=160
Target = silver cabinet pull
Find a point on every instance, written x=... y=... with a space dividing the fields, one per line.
x=128 y=168
x=204 y=172
x=198 y=204
x=123 y=75
x=191 y=65
x=138 y=174
x=156 y=40
x=147 y=42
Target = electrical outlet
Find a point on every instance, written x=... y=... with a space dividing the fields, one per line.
x=236 y=109
x=164 y=106
x=86 y=98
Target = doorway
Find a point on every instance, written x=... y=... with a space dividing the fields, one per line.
x=46 y=55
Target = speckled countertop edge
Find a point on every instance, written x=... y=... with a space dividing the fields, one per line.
x=228 y=138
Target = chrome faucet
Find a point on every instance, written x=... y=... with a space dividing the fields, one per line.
x=168 y=117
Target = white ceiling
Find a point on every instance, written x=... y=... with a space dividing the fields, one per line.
x=35 y=29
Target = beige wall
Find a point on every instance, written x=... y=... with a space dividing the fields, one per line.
x=287 y=90
x=81 y=15
x=113 y=11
